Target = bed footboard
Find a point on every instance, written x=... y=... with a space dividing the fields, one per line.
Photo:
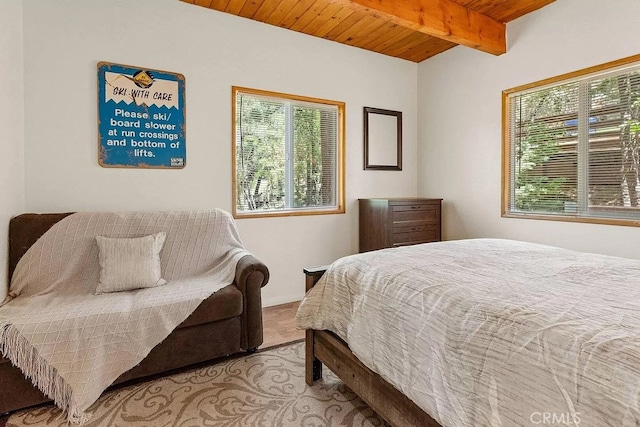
x=326 y=347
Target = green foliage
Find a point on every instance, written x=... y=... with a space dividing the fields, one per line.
x=541 y=124
x=260 y=154
x=619 y=97
x=540 y=194
x=261 y=160
x=308 y=157
x=547 y=144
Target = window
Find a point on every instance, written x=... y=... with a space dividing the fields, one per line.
x=572 y=146
x=288 y=154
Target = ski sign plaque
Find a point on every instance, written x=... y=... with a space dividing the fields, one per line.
x=141 y=117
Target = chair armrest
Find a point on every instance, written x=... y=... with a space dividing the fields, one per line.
x=251 y=276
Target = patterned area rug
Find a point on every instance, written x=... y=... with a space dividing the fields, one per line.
x=263 y=389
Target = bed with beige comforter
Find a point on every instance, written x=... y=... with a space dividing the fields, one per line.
x=489 y=332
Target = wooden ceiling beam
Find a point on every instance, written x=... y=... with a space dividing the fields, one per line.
x=443 y=19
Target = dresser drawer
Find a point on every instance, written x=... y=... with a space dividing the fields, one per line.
x=412 y=235
x=412 y=228
x=400 y=207
x=421 y=213
x=398 y=221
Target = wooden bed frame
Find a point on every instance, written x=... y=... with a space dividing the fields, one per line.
x=324 y=347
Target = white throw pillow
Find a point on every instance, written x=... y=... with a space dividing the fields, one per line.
x=127 y=264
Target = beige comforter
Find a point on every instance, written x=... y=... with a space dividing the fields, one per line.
x=491 y=332
x=74 y=344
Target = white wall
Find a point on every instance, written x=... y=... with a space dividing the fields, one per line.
x=65 y=39
x=459 y=116
x=11 y=125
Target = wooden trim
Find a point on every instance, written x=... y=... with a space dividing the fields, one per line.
x=234 y=182
x=342 y=157
x=506 y=144
x=443 y=19
x=437 y=24
x=588 y=220
x=261 y=92
x=506 y=155
x=285 y=213
x=340 y=153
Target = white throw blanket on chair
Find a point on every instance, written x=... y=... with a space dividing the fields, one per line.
x=74 y=344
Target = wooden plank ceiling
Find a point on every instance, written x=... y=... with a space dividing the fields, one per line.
x=409 y=29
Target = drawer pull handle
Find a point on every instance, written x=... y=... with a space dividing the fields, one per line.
x=415 y=207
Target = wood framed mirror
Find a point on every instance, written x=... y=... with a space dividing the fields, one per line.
x=382 y=139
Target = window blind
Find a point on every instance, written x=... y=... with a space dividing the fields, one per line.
x=574 y=147
x=286 y=154
x=544 y=134
x=613 y=143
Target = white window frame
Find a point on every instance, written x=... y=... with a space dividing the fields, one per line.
x=289 y=209
x=597 y=215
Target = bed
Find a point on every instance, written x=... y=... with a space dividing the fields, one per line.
x=480 y=332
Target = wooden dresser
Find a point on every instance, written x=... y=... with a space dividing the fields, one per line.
x=386 y=223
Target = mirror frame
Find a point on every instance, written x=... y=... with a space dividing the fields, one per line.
x=398 y=115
